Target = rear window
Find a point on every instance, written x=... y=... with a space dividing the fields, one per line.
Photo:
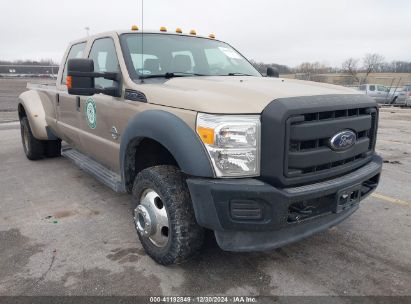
x=76 y=51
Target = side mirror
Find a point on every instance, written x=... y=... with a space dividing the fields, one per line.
x=272 y=72
x=81 y=75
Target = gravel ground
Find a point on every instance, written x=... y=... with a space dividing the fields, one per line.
x=64 y=233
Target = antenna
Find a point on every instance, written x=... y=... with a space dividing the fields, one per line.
x=142 y=40
x=87 y=30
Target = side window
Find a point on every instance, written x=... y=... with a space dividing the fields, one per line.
x=372 y=87
x=103 y=53
x=381 y=88
x=362 y=87
x=76 y=51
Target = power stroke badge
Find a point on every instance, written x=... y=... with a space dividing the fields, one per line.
x=91 y=113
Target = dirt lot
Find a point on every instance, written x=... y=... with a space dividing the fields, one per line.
x=63 y=233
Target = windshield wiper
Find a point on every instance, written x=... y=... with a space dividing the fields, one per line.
x=169 y=75
x=237 y=74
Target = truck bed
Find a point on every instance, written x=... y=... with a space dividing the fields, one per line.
x=48 y=87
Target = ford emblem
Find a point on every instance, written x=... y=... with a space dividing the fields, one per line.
x=343 y=140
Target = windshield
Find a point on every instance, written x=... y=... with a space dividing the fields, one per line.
x=181 y=56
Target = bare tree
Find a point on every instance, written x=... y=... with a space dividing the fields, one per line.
x=350 y=66
x=311 y=70
x=372 y=62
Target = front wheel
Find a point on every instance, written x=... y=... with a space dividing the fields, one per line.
x=164 y=216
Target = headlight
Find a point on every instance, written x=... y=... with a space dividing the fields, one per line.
x=233 y=143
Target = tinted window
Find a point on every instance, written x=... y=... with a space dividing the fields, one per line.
x=76 y=51
x=103 y=53
x=363 y=87
x=372 y=87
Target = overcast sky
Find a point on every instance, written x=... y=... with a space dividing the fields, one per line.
x=285 y=32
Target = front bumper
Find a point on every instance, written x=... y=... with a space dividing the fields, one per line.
x=251 y=215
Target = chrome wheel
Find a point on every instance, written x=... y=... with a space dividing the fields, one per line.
x=151 y=220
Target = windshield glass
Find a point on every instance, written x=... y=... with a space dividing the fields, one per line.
x=181 y=55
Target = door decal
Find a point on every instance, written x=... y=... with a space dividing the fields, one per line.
x=91 y=113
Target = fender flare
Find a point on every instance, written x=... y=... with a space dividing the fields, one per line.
x=33 y=107
x=174 y=134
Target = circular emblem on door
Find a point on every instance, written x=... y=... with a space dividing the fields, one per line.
x=91 y=113
x=343 y=140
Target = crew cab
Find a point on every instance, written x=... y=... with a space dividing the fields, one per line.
x=201 y=140
x=380 y=93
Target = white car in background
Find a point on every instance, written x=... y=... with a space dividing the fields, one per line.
x=380 y=93
x=404 y=96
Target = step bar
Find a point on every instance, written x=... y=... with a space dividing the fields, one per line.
x=101 y=173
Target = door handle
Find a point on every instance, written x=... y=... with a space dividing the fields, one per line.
x=78 y=103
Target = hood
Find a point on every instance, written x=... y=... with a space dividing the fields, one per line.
x=231 y=94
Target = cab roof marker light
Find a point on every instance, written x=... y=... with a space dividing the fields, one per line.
x=179 y=30
x=163 y=29
x=212 y=36
x=134 y=28
x=193 y=32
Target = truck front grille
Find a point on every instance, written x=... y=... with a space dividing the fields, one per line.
x=295 y=135
x=308 y=136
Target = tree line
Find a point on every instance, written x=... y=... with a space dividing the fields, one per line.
x=370 y=63
x=29 y=62
x=44 y=67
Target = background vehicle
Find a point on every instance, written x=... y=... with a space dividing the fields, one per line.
x=202 y=141
x=404 y=96
x=394 y=92
x=380 y=93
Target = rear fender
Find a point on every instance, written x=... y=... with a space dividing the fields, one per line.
x=30 y=102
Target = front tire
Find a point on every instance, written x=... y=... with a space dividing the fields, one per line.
x=164 y=216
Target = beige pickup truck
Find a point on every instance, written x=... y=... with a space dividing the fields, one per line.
x=201 y=140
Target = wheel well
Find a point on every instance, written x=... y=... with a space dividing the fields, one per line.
x=21 y=111
x=143 y=153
